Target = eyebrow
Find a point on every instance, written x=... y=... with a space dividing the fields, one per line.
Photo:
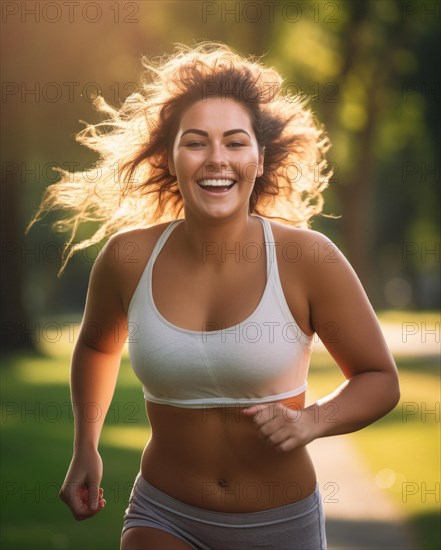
x=203 y=133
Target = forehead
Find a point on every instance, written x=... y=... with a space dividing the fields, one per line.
x=216 y=112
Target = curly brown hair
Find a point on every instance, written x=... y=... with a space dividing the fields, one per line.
x=130 y=186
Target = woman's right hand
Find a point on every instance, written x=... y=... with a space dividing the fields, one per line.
x=81 y=489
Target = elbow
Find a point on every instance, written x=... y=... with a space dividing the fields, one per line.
x=393 y=391
x=395 y=398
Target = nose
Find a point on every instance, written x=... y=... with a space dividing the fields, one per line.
x=215 y=159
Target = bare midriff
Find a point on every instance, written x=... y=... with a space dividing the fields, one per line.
x=213 y=458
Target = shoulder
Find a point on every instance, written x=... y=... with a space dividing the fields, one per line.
x=303 y=246
x=123 y=258
x=131 y=246
x=313 y=259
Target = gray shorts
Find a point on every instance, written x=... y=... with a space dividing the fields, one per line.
x=296 y=526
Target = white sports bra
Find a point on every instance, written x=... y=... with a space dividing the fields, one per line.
x=263 y=359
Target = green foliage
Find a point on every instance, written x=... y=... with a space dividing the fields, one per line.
x=368 y=67
x=37 y=440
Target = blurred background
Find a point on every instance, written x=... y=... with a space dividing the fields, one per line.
x=370 y=70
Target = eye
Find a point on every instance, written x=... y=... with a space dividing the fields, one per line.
x=235 y=144
x=194 y=144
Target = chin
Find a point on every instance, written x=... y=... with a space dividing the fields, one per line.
x=220 y=213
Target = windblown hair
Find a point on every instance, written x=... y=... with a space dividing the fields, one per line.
x=130 y=186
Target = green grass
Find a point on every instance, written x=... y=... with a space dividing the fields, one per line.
x=37 y=432
x=403 y=448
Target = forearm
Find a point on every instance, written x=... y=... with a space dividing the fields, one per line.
x=93 y=380
x=358 y=402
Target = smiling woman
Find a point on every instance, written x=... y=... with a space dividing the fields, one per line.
x=135 y=187
x=219 y=338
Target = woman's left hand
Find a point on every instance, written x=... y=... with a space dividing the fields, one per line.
x=281 y=427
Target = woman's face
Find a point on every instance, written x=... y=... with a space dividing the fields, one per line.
x=215 y=158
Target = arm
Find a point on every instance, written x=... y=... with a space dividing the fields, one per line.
x=94 y=371
x=371 y=388
x=336 y=299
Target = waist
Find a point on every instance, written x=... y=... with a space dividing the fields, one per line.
x=172 y=424
x=214 y=459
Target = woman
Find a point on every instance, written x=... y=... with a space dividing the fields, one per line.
x=219 y=308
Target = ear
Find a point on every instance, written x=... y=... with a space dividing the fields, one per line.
x=260 y=162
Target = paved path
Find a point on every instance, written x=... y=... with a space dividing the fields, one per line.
x=359 y=514
x=408 y=339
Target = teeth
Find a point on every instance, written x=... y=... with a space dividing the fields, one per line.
x=216 y=183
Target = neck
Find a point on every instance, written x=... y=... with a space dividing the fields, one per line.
x=219 y=242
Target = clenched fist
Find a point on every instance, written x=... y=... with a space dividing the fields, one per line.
x=283 y=428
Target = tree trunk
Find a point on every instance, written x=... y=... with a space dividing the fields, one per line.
x=15 y=327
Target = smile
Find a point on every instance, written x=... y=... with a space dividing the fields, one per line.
x=216 y=185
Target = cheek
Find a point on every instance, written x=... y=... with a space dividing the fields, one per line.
x=185 y=163
x=249 y=169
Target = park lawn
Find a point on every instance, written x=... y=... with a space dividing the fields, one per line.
x=403 y=448
x=36 y=446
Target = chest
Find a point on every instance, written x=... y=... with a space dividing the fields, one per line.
x=198 y=297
